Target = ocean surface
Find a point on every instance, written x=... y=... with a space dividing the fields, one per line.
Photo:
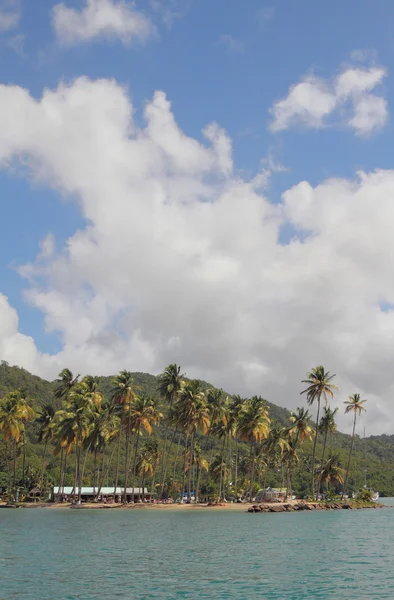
x=92 y=554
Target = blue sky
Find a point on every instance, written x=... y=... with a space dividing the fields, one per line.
x=222 y=61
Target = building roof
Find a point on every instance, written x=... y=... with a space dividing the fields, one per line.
x=105 y=491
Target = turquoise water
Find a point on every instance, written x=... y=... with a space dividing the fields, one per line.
x=91 y=554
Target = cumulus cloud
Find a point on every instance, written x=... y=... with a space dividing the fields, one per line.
x=180 y=260
x=313 y=100
x=10 y=13
x=108 y=19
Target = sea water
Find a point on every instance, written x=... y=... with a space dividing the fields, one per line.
x=61 y=554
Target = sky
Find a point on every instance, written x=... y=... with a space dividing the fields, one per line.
x=203 y=182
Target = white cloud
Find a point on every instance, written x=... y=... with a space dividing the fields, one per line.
x=311 y=101
x=232 y=44
x=170 y=10
x=10 y=14
x=180 y=260
x=108 y=19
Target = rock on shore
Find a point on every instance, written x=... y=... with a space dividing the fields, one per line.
x=301 y=506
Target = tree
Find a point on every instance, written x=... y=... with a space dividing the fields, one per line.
x=192 y=415
x=319 y=387
x=73 y=427
x=170 y=385
x=327 y=425
x=45 y=420
x=65 y=383
x=355 y=405
x=15 y=410
x=201 y=464
x=123 y=394
x=144 y=415
x=331 y=471
x=253 y=426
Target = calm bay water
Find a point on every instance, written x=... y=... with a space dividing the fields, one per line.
x=137 y=554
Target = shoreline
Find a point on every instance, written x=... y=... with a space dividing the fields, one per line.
x=250 y=507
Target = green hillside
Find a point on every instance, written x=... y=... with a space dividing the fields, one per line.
x=373 y=459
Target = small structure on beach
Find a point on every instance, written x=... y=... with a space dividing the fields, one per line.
x=272 y=495
x=107 y=494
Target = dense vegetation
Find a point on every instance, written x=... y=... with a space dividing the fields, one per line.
x=169 y=434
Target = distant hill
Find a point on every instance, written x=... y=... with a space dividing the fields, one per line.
x=373 y=457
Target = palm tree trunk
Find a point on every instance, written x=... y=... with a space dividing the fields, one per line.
x=322 y=461
x=104 y=475
x=75 y=472
x=350 y=456
x=137 y=437
x=252 y=474
x=43 y=468
x=288 y=480
x=184 y=468
x=221 y=468
x=14 y=482
x=117 y=465
x=23 y=458
x=236 y=471
x=80 y=475
x=8 y=469
x=61 y=475
x=80 y=479
x=128 y=433
x=197 y=492
x=176 y=456
x=314 y=448
x=94 y=472
x=189 y=477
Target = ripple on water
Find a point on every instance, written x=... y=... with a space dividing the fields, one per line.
x=87 y=555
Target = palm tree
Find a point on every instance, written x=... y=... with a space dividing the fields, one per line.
x=254 y=426
x=354 y=405
x=144 y=415
x=331 y=471
x=170 y=385
x=65 y=383
x=201 y=464
x=147 y=462
x=235 y=406
x=123 y=394
x=327 y=425
x=192 y=415
x=300 y=428
x=73 y=428
x=15 y=410
x=319 y=387
x=45 y=420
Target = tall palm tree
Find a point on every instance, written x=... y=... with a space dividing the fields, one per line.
x=327 y=425
x=319 y=386
x=201 y=465
x=170 y=385
x=45 y=420
x=355 y=405
x=192 y=415
x=144 y=415
x=234 y=410
x=123 y=394
x=73 y=427
x=331 y=471
x=254 y=426
x=64 y=385
x=15 y=410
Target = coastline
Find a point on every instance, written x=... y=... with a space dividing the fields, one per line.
x=235 y=507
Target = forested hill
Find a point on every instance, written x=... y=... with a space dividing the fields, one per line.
x=375 y=455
